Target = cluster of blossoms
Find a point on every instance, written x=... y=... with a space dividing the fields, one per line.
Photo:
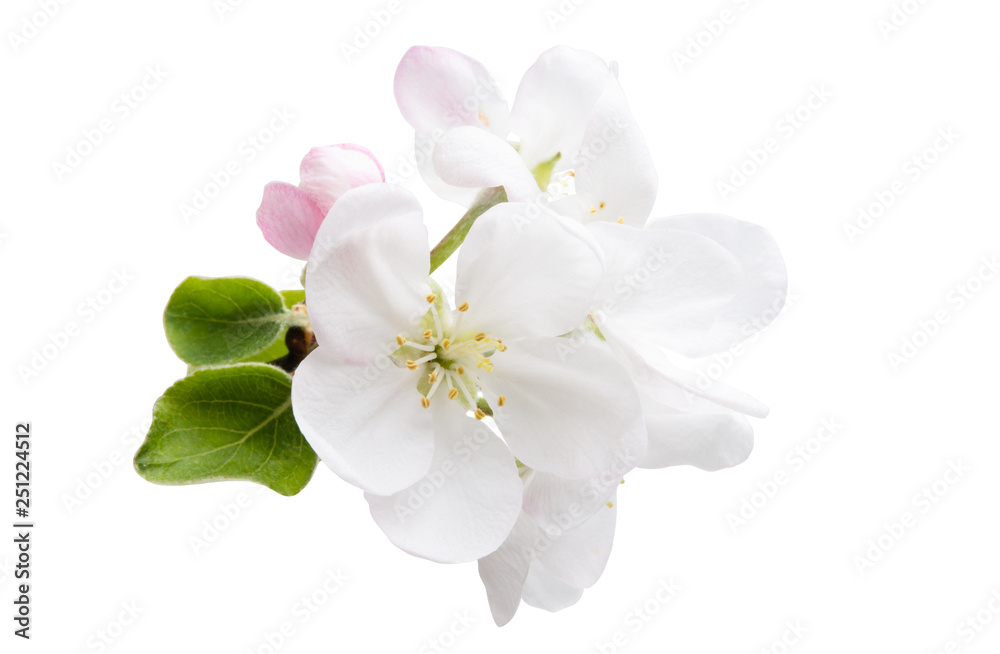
x=496 y=423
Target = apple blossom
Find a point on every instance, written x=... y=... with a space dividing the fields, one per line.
x=569 y=133
x=289 y=216
x=385 y=398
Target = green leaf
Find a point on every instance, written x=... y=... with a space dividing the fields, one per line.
x=214 y=321
x=278 y=348
x=233 y=422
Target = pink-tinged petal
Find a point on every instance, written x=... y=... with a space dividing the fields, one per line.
x=289 y=219
x=761 y=296
x=365 y=423
x=328 y=172
x=473 y=158
x=467 y=503
x=554 y=102
x=439 y=88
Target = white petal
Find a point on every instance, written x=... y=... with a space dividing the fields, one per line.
x=504 y=571
x=662 y=286
x=681 y=389
x=526 y=271
x=556 y=502
x=711 y=441
x=367 y=274
x=570 y=407
x=578 y=556
x=473 y=158
x=759 y=299
x=544 y=590
x=424 y=146
x=327 y=173
x=439 y=88
x=466 y=505
x=366 y=424
x=554 y=102
x=614 y=172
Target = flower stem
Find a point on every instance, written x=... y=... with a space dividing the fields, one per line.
x=489 y=197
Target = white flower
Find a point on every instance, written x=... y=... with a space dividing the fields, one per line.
x=569 y=133
x=440 y=485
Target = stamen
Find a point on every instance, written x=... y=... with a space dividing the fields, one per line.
x=412 y=365
x=446 y=343
x=400 y=340
x=420 y=346
x=435 y=382
x=501 y=400
x=460 y=370
x=480 y=336
x=427 y=334
x=571 y=173
x=425 y=402
x=430 y=298
x=611 y=505
x=479 y=414
x=621 y=220
x=593 y=210
x=464 y=306
x=603 y=205
x=453 y=393
x=437 y=319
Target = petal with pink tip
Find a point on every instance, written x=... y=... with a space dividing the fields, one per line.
x=289 y=219
x=328 y=172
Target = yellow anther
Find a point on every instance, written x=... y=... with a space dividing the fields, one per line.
x=611 y=505
x=501 y=400
x=463 y=306
x=460 y=370
x=401 y=340
x=623 y=481
x=427 y=334
x=431 y=298
x=433 y=377
x=425 y=402
x=484 y=119
x=479 y=414
x=452 y=394
x=411 y=364
x=501 y=347
x=603 y=205
x=572 y=174
x=593 y=210
x=446 y=343
x=621 y=220
x=480 y=336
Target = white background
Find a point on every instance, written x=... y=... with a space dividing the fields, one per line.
x=825 y=358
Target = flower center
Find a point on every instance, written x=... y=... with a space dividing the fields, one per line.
x=450 y=360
